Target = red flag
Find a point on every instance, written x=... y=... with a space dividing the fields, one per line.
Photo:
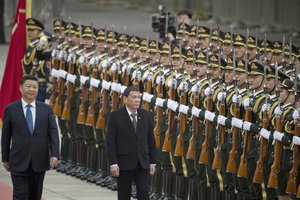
x=9 y=90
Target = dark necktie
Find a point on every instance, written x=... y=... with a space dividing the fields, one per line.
x=29 y=118
x=134 y=122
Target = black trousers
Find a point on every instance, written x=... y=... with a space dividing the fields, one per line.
x=141 y=179
x=27 y=185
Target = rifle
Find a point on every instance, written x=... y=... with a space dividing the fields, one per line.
x=127 y=70
x=115 y=96
x=167 y=145
x=90 y=119
x=104 y=95
x=258 y=175
x=273 y=179
x=243 y=167
x=54 y=83
x=159 y=113
x=291 y=187
x=208 y=125
x=231 y=164
x=217 y=162
x=147 y=105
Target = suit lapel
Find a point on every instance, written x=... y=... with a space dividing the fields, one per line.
x=22 y=118
x=127 y=118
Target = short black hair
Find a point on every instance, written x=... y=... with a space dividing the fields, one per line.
x=28 y=77
x=185 y=12
x=130 y=89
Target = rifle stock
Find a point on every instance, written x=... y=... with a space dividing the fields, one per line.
x=90 y=119
x=66 y=114
x=298 y=193
x=208 y=128
x=81 y=117
x=217 y=162
x=104 y=96
x=232 y=160
x=258 y=174
x=57 y=110
x=159 y=113
x=167 y=145
x=243 y=167
x=191 y=153
x=273 y=179
x=126 y=83
x=291 y=187
x=147 y=105
x=54 y=84
x=115 y=95
x=182 y=127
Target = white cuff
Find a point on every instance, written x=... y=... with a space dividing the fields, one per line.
x=173 y=105
x=159 y=102
x=94 y=82
x=209 y=116
x=221 y=120
x=247 y=125
x=71 y=78
x=147 y=97
x=296 y=140
x=106 y=85
x=183 y=109
x=196 y=111
x=160 y=79
x=62 y=73
x=278 y=136
x=237 y=122
x=54 y=73
x=265 y=133
x=116 y=87
x=83 y=79
x=123 y=87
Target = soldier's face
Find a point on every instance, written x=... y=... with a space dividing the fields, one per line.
x=189 y=67
x=251 y=53
x=192 y=41
x=201 y=69
x=215 y=72
x=239 y=51
x=164 y=59
x=133 y=100
x=229 y=76
x=33 y=34
x=59 y=34
x=153 y=57
x=29 y=90
x=100 y=45
x=226 y=49
x=72 y=38
x=255 y=81
x=87 y=42
x=289 y=59
x=203 y=42
x=121 y=50
x=241 y=78
x=143 y=55
x=270 y=84
x=283 y=95
x=215 y=44
x=277 y=57
x=176 y=62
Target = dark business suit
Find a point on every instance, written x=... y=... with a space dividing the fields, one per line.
x=132 y=150
x=28 y=154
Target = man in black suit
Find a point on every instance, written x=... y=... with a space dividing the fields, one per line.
x=29 y=136
x=131 y=146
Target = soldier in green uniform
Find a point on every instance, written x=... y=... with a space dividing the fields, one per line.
x=239 y=46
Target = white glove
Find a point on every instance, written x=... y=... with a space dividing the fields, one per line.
x=278 y=136
x=196 y=111
x=160 y=102
x=296 y=140
x=237 y=122
x=208 y=91
x=82 y=60
x=47 y=101
x=116 y=87
x=222 y=120
x=54 y=73
x=237 y=99
x=94 y=82
x=62 y=74
x=278 y=111
x=247 y=103
x=160 y=79
x=94 y=60
x=247 y=125
x=265 y=107
x=183 y=86
x=105 y=64
x=41 y=44
x=265 y=133
x=123 y=87
x=71 y=58
x=147 y=97
x=170 y=82
x=54 y=53
x=173 y=105
x=209 y=116
x=106 y=85
x=71 y=78
x=195 y=88
x=221 y=96
x=149 y=76
x=114 y=67
x=83 y=79
x=296 y=114
x=136 y=75
x=62 y=55
x=183 y=109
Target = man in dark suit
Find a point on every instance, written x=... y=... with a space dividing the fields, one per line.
x=29 y=136
x=131 y=146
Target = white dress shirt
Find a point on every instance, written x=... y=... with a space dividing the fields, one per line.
x=33 y=110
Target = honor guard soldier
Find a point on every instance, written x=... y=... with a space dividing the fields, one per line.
x=217 y=38
x=227 y=45
x=290 y=55
x=204 y=37
x=240 y=46
x=252 y=49
x=277 y=54
x=266 y=51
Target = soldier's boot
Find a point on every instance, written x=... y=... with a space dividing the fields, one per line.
x=68 y=156
x=98 y=167
x=164 y=185
x=84 y=159
x=157 y=185
x=62 y=160
x=93 y=162
x=193 y=192
x=88 y=162
x=74 y=158
x=79 y=162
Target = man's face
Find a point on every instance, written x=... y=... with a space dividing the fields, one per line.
x=277 y=58
x=251 y=53
x=189 y=67
x=241 y=78
x=183 y=18
x=215 y=72
x=270 y=84
x=100 y=45
x=289 y=59
x=203 y=42
x=121 y=50
x=59 y=34
x=226 y=49
x=229 y=77
x=87 y=42
x=164 y=59
x=214 y=44
x=143 y=55
x=177 y=63
x=255 y=81
x=239 y=51
x=133 y=100
x=29 y=90
x=283 y=95
x=153 y=57
x=33 y=34
x=201 y=69
x=72 y=37
x=192 y=41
